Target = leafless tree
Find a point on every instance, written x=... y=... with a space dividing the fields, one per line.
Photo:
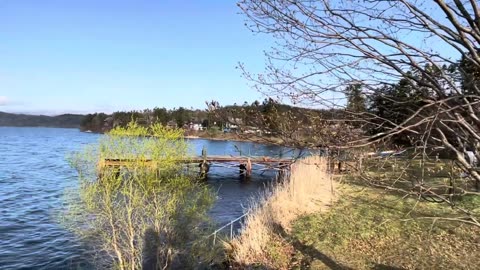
x=323 y=46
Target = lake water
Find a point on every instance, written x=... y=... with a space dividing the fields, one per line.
x=34 y=174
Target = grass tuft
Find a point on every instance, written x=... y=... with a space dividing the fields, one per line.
x=309 y=190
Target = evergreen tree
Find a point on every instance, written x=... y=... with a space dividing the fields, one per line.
x=470 y=76
x=161 y=115
x=355 y=98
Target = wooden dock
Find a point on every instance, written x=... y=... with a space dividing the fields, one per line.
x=244 y=164
x=198 y=159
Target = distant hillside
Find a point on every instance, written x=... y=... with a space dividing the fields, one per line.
x=25 y=120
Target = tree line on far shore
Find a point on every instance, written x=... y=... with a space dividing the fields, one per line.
x=240 y=117
x=27 y=120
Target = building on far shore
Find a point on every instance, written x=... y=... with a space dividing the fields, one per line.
x=195 y=126
x=233 y=124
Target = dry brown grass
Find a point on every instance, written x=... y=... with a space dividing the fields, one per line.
x=310 y=189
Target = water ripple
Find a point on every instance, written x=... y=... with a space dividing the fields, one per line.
x=34 y=174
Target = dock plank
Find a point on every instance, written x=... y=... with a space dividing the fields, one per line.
x=199 y=159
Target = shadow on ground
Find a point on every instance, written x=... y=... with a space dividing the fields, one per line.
x=310 y=254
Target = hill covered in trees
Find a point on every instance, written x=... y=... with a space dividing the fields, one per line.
x=258 y=115
x=25 y=120
x=267 y=121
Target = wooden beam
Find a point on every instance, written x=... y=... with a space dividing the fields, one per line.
x=114 y=162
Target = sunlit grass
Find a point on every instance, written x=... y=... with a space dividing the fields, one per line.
x=369 y=229
x=364 y=227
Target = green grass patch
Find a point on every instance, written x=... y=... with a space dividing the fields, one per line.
x=367 y=229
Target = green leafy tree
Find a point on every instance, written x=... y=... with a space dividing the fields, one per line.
x=161 y=115
x=146 y=213
x=181 y=116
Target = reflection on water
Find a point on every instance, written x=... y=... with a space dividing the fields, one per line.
x=34 y=174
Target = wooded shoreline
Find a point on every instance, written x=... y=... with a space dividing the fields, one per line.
x=228 y=137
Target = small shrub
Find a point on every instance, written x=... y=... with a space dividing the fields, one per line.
x=149 y=212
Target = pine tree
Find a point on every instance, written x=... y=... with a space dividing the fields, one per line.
x=356 y=101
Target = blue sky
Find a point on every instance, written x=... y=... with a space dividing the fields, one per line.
x=91 y=55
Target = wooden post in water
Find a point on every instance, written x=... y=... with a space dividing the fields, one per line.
x=242 y=169
x=249 y=168
x=246 y=169
x=204 y=166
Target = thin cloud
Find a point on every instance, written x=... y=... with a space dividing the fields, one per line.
x=3 y=101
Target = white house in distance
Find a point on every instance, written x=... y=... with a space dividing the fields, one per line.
x=233 y=123
x=195 y=127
